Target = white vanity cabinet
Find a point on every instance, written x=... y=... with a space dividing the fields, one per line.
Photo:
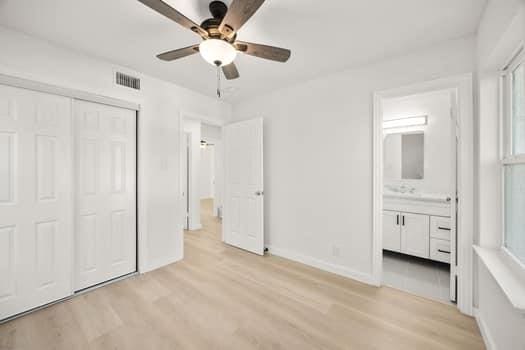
x=406 y=233
x=440 y=239
x=420 y=230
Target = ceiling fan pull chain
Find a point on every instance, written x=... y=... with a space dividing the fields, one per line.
x=218 y=81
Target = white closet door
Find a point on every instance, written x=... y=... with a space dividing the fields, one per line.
x=35 y=199
x=105 y=153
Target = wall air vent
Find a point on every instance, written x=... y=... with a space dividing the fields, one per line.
x=128 y=81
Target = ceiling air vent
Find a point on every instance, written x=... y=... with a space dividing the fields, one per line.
x=128 y=81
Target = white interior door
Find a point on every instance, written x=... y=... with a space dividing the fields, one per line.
x=35 y=199
x=243 y=217
x=105 y=210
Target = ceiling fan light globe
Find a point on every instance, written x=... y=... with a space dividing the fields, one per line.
x=217 y=52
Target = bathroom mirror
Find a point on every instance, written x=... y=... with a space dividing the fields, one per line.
x=404 y=156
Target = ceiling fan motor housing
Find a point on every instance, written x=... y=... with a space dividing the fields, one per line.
x=218 y=9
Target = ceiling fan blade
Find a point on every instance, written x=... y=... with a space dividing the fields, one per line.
x=168 y=11
x=179 y=53
x=230 y=71
x=238 y=13
x=263 y=51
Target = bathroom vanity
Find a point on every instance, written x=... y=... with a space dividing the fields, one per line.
x=417 y=224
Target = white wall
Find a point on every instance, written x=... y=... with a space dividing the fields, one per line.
x=213 y=134
x=318 y=156
x=159 y=143
x=207 y=173
x=437 y=139
x=501 y=30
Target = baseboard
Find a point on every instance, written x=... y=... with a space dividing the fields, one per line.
x=161 y=262
x=322 y=265
x=195 y=227
x=485 y=334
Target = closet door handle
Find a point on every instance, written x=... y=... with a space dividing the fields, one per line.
x=403 y=220
x=397 y=220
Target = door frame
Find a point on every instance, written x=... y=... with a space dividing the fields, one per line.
x=185 y=177
x=187 y=115
x=463 y=87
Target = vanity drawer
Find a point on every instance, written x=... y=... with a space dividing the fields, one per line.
x=440 y=227
x=440 y=250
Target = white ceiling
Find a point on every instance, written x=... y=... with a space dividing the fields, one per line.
x=324 y=36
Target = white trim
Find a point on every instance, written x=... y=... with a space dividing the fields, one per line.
x=515 y=56
x=463 y=85
x=484 y=330
x=161 y=263
x=186 y=115
x=195 y=227
x=142 y=226
x=407 y=122
x=322 y=265
x=507 y=273
x=514 y=259
x=517 y=159
x=71 y=296
x=66 y=92
x=506 y=156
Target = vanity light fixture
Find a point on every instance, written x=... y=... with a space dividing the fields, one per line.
x=405 y=122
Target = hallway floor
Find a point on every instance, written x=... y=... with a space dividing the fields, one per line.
x=221 y=297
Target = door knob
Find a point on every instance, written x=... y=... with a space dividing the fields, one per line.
x=259 y=193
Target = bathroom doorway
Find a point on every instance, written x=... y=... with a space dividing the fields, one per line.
x=419 y=182
x=421 y=234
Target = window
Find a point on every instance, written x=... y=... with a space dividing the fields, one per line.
x=513 y=162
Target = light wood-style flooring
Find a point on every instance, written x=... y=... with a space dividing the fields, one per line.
x=220 y=297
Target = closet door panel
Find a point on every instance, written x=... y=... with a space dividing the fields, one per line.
x=105 y=198
x=35 y=199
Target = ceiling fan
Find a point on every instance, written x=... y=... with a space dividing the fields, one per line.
x=219 y=44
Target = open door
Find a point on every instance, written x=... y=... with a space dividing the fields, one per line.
x=243 y=217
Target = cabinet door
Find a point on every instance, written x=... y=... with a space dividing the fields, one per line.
x=391 y=231
x=415 y=234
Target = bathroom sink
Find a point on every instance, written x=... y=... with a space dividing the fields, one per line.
x=423 y=196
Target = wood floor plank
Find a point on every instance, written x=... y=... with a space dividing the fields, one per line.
x=220 y=297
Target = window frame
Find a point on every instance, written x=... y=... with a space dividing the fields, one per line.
x=506 y=140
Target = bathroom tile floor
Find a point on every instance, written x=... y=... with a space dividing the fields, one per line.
x=426 y=278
